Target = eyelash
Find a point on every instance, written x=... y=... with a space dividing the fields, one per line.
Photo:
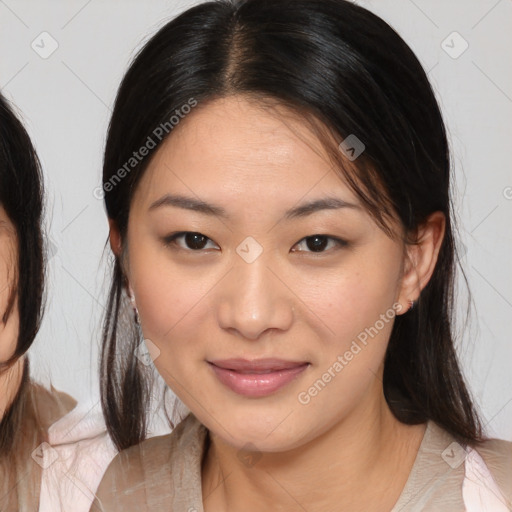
x=170 y=241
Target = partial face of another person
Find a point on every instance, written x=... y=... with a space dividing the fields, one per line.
x=8 y=271
x=9 y=317
x=245 y=244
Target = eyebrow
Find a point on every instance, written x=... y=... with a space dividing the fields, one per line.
x=327 y=203
x=303 y=210
x=189 y=203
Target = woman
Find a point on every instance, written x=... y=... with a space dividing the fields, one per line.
x=277 y=182
x=26 y=409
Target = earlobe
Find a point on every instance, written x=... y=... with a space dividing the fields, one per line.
x=421 y=259
x=116 y=245
x=114 y=237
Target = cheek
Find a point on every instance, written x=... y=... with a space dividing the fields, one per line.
x=9 y=330
x=165 y=303
x=172 y=304
x=352 y=298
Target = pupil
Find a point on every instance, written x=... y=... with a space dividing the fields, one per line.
x=317 y=243
x=195 y=240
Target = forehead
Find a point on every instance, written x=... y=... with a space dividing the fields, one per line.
x=233 y=145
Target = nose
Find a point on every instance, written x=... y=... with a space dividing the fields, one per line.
x=254 y=300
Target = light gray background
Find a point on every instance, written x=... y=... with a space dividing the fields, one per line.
x=66 y=101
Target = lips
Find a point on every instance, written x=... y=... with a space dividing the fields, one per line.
x=256 y=378
x=256 y=366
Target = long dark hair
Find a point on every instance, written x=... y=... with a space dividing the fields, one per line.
x=21 y=195
x=344 y=71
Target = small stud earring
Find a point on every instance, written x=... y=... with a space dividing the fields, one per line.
x=134 y=306
x=412 y=303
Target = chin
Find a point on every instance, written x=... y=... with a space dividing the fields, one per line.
x=266 y=430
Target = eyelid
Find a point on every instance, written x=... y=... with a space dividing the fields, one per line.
x=339 y=241
x=171 y=239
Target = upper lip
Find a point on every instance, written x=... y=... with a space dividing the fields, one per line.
x=256 y=365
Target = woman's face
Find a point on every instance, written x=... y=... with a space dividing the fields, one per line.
x=8 y=250
x=255 y=283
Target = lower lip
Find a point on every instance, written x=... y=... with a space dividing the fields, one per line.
x=257 y=384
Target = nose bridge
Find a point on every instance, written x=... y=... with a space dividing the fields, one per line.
x=253 y=300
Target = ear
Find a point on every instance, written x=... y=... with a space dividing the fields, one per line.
x=114 y=237
x=116 y=245
x=421 y=258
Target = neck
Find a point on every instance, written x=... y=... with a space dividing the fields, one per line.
x=10 y=381
x=363 y=461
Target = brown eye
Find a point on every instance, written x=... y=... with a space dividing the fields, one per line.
x=319 y=244
x=195 y=241
x=188 y=240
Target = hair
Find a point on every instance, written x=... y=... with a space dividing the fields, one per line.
x=340 y=68
x=21 y=195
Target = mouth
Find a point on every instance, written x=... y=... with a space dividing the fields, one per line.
x=256 y=378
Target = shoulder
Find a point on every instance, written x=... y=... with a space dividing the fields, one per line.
x=144 y=476
x=449 y=476
x=49 y=405
x=490 y=463
x=76 y=456
x=160 y=450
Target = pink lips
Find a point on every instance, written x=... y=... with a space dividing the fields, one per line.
x=256 y=378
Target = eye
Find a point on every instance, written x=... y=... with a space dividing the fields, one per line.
x=189 y=240
x=319 y=244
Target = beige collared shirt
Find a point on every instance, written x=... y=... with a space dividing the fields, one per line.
x=21 y=469
x=164 y=474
